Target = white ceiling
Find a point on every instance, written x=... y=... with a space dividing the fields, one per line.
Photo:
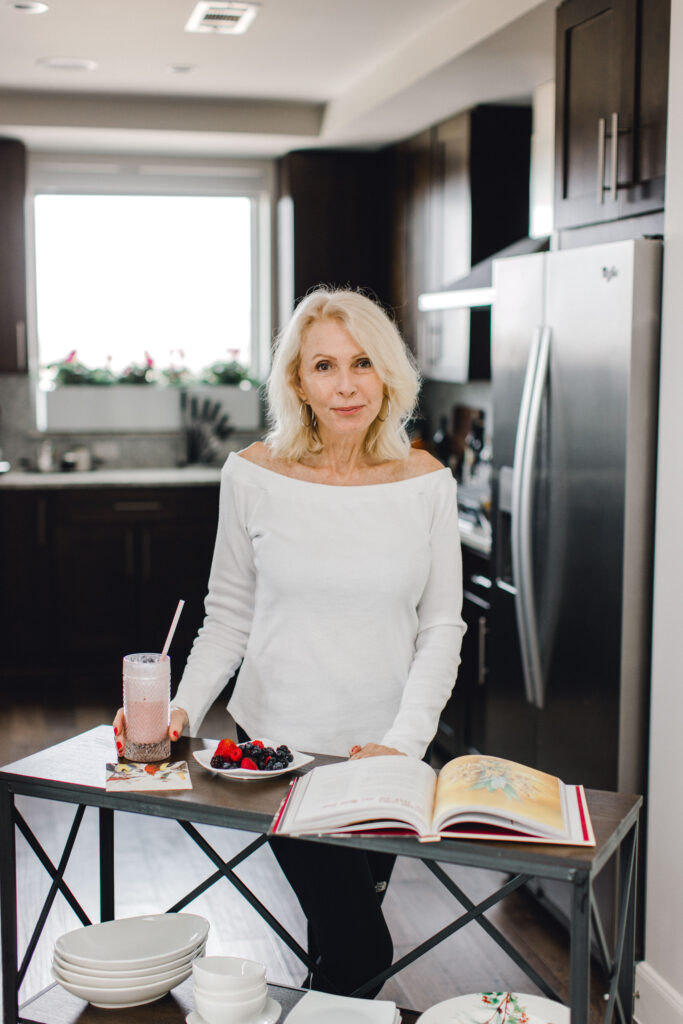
x=307 y=72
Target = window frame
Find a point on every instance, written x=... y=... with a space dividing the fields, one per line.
x=115 y=174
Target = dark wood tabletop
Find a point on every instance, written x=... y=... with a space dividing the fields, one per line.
x=75 y=771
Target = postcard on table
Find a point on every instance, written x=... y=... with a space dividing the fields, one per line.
x=133 y=777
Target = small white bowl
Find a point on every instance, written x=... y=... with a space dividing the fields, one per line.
x=223 y=995
x=226 y=1010
x=228 y=975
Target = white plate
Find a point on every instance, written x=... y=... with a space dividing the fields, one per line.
x=321 y=1006
x=268 y=1015
x=103 y=980
x=133 y=942
x=102 y=970
x=125 y=995
x=244 y=774
x=471 y=1009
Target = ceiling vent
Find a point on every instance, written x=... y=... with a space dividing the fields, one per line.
x=230 y=18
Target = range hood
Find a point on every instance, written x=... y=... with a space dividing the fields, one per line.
x=476 y=287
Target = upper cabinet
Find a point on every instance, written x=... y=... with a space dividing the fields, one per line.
x=333 y=214
x=462 y=194
x=13 y=355
x=611 y=98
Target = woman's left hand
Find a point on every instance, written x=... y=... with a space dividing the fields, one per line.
x=372 y=750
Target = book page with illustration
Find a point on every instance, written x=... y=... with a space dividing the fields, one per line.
x=491 y=789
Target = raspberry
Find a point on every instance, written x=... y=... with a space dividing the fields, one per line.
x=235 y=753
x=256 y=743
x=224 y=748
x=249 y=764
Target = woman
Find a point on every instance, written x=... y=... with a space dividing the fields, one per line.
x=336 y=584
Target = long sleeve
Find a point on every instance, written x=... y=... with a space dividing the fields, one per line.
x=221 y=642
x=439 y=638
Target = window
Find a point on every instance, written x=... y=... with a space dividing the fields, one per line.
x=133 y=261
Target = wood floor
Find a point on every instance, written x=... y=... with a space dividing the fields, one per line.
x=156 y=863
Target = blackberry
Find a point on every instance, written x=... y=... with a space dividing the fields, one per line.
x=219 y=762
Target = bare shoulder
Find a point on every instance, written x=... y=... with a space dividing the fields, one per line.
x=259 y=453
x=421 y=462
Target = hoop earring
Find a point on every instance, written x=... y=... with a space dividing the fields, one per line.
x=310 y=423
x=383 y=419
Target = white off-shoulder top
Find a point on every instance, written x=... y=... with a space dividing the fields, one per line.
x=343 y=605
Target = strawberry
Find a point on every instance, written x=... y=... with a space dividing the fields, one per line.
x=248 y=763
x=224 y=749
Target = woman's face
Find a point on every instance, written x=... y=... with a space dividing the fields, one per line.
x=338 y=381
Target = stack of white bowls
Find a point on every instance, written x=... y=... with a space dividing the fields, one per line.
x=230 y=990
x=131 y=961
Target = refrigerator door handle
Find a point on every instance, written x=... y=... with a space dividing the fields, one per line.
x=522 y=497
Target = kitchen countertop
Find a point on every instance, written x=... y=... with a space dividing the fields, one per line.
x=185 y=476
x=475 y=536
x=472 y=534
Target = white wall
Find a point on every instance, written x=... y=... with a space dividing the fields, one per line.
x=659 y=979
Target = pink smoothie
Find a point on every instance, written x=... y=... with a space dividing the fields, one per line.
x=146 y=720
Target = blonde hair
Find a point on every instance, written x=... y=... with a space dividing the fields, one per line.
x=370 y=327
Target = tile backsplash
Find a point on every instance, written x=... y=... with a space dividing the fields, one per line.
x=20 y=440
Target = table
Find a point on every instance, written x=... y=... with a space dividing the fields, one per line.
x=73 y=772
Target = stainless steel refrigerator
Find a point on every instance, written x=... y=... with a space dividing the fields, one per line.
x=575 y=340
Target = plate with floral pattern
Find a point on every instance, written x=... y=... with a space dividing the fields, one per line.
x=496 y=1008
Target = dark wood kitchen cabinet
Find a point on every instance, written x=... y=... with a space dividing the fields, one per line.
x=93 y=574
x=333 y=212
x=611 y=102
x=13 y=354
x=461 y=729
x=26 y=599
x=462 y=194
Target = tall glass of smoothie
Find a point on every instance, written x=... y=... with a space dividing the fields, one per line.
x=146 y=700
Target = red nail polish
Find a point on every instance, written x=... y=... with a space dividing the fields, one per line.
x=116 y=730
x=119 y=745
x=175 y=735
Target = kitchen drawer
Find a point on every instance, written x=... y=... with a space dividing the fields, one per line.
x=122 y=505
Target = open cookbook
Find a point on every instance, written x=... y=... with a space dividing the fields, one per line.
x=472 y=797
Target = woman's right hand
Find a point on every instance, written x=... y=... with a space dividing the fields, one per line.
x=176 y=726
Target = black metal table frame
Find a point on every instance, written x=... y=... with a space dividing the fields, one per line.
x=619 y=969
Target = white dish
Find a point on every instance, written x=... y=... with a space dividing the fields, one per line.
x=126 y=995
x=133 y=972
x=223 y=974
x=103 y=980
x=268 y=1015
x=133 y=942
x=244 y=774
x=321 y=1006
x=471 y=1009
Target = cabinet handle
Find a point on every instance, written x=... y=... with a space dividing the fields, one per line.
x=481 y=675
x=601 y=160
x=508 y=588
x=614 y=165
x=130 y=554
x=20 y=329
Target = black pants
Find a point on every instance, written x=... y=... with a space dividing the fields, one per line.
x=340 y=891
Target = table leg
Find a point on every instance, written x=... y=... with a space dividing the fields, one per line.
x=580 y=949
x=107 y=899
x=8 y=907
x=626 y=949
